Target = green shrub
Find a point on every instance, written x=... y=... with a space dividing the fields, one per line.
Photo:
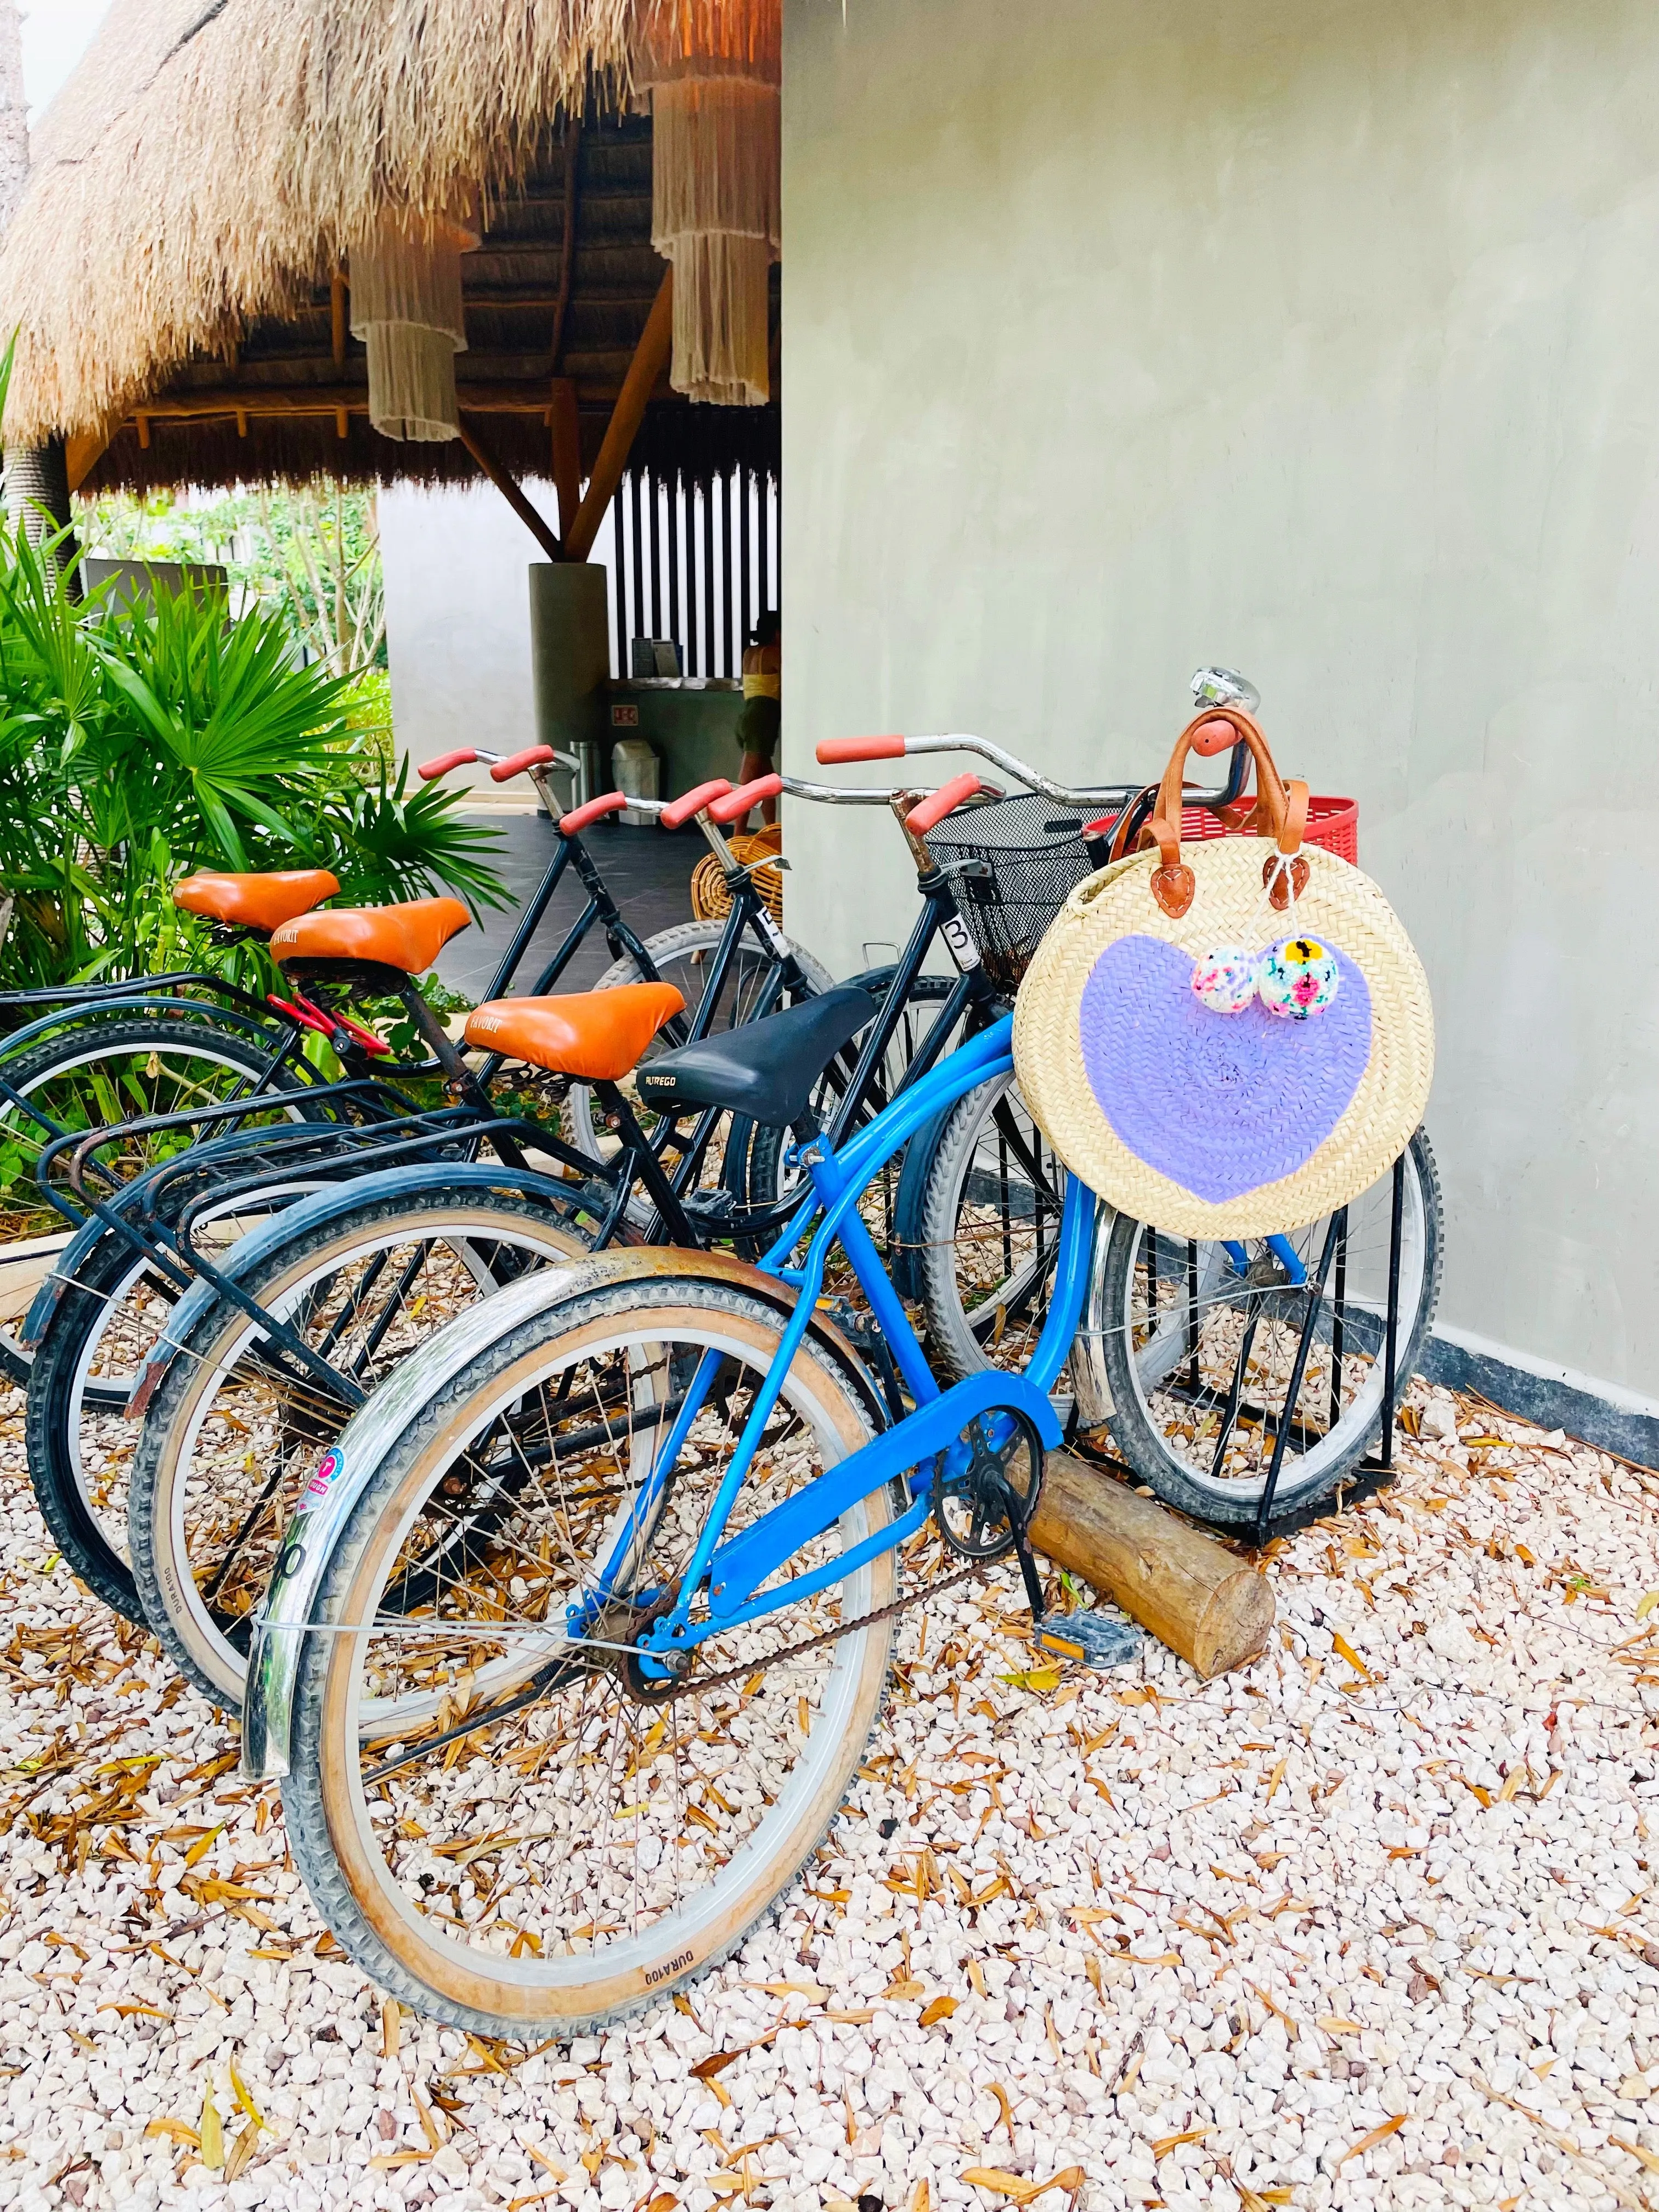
x=140 y=741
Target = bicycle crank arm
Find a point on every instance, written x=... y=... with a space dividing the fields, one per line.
x=739 y=1567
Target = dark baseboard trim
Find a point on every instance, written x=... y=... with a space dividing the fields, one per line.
x=1544 y=1398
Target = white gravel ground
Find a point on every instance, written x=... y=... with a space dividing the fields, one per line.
x=1371 y=1924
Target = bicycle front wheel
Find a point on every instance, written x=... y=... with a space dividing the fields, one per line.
x=503 y=1826
x=1197 y=1342
x=236 y=1428
x=989 y=1231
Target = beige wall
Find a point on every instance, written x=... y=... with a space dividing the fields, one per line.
x=1319 y=337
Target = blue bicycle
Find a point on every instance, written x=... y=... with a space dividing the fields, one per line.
x=582 y=1629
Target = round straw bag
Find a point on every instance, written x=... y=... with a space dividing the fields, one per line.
x=1223 y=1124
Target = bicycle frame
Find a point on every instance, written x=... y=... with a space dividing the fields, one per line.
x=732 y=1571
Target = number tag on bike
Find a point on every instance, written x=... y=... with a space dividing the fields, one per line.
x=774 y=936
x=961 y=947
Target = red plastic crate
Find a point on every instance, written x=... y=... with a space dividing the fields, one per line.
x=1332 y=823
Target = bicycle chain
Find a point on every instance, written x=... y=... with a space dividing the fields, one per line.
x=833 y=1635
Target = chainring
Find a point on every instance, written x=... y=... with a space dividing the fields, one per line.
x=984 y=1511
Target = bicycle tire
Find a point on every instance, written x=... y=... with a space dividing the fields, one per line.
x=165 y=1565
x=58 y=1456
x=100 y=1038
x=365 y=1897
x=1150 y=1439
x=686 y=941
x=949 y=1266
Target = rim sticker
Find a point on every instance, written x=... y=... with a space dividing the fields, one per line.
x=320 y=1483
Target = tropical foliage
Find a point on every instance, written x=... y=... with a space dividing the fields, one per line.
x=142 y=739
x=311 y=554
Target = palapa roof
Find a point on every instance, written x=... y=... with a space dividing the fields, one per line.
x=197 y=182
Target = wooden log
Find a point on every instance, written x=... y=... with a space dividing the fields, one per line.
x=1208 y=1605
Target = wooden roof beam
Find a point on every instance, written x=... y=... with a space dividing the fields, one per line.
x=510 y=490
x=651 y=358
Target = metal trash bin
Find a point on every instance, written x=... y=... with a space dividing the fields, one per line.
x=635 y=770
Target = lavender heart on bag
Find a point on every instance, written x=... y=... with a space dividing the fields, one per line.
x=1220 y=1106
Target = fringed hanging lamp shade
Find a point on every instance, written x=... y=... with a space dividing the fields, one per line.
x=406 y=308
x=713 y=68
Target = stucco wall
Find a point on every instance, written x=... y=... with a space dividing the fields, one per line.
x=1319 y=337
x=458 y=622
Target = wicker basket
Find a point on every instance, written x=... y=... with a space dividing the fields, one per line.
x=710 y=899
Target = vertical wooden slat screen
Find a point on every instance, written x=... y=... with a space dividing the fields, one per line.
x=695 y=566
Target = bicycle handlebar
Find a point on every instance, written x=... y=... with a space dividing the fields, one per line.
x=736 y=804
x=935 y=808
x=444 y=762
x=1209 y=739
x=678 y=812
x=1103 y=794
x=609 y=802
x=516 y=764
x=859 y=748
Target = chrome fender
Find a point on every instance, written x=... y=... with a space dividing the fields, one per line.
x=345 y=1470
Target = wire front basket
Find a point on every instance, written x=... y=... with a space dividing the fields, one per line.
x=1013 y=863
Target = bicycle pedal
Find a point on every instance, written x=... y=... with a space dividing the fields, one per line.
x=1094 y=1638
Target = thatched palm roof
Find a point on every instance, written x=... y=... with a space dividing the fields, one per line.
x=211 y=161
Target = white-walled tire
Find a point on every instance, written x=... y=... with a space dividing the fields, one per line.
x=620 y=1848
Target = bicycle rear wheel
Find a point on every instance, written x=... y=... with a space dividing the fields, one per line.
x=1196 y=1344
x=989 y=1231
x=579 y=1849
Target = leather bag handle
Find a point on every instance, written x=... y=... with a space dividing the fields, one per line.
x=1281 y=813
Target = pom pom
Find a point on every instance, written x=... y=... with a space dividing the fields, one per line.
x=1296 y=977
x=1224 y=978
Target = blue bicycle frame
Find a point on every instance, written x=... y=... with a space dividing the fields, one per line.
x=733 y=1569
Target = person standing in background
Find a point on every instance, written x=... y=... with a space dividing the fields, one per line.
x=762 y=718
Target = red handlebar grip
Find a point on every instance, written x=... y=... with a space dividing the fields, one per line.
x=516 y=764
x=932 y=810
x=676 y=816
x=609 y=802
x=859 y=748
x=1212 y=738
x=736 y=804
x=442 y=765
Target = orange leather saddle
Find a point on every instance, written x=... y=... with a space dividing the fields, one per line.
x=597 y=1035
x=261 y=902
x=410 y=937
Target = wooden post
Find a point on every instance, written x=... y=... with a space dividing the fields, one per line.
x=650 y=358
x=566 y=452
x=1213 y=1608
x=515 y=499
x=336 y=315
